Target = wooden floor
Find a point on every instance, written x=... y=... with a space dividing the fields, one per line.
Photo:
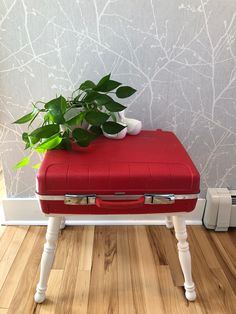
x=117 y=269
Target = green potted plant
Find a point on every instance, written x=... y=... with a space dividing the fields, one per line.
x=89 y=112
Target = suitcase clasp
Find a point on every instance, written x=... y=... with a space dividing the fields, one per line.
x=159 y=199
x=78 y=199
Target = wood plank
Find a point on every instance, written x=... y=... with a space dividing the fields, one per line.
x=232 y=234
x=206 y=247
x=137 y=286
x=23 y=298
x=20 y=262
x=67 y=290
x=86 y=248
x=30 y=305
x=80 y=301
x=155 y=239
x=110 y=292
x=167 y=289
x=202 y=276
x=173 y=297
x=62 y=249
x=225 y=258
x=6 y=240
x=226 y=294
x=11 y=252
x=81 y=295
x=169 y=243
x=148 y=272
x=2 y=230
x=229 y=248
x=211 y=294
x=95 y=303
x=125 y=293
x=103 y=295
x=182 y=305
x=54 y=284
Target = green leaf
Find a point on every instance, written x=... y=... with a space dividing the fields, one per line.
x=83 y=137
x=25 y=137
x=33 y=140
x=107 y=86
x=51 y=143
x=114 y=106
x=45 y=131
x=77 y=119
x=37 y=166
x=95 y=129
x=87 y=85
x=65 y=144
x=26 y=118
x=66 y=141
x=111 y=127
x=91 y=96
x=103 y=80
x=125 y=91
x=27 y=145
x=103 y=99
x=48 y=117
x=57 y=108
x=24 y=162
x=29 y=140
x=35 y=116
x=96 y=117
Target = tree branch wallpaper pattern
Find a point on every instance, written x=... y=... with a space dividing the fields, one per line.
x=179 y=55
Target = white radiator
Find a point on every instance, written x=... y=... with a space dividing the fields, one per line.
x=220 y=210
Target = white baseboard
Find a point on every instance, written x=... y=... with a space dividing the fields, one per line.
x=26 y=211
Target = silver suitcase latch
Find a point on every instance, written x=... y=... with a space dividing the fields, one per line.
x=79 y=199
x=159 y=199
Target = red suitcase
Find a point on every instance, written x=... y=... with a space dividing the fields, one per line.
x=147 y=173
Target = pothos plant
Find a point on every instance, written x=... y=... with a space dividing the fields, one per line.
x=62 y=120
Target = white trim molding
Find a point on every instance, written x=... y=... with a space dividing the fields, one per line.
x=26 y=211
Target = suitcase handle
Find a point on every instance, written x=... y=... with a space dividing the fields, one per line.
x=120 y=204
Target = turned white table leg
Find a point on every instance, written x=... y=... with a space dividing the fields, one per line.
x=169 y=222
x=63 y=223
x=47 y=257
x=184 y=256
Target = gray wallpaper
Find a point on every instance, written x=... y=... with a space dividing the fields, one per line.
x=179 y=55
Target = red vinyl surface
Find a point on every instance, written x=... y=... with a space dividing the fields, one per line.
x=151 y=162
